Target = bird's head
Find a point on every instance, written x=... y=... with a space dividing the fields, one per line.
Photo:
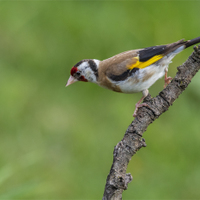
x=85 y=70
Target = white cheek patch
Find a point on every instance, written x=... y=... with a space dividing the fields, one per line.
x=87 y=72
x=83 y=66
x=89 y=75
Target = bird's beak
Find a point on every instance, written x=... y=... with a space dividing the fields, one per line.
x=71 y=80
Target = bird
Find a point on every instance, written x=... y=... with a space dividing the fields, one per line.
x=131 y=71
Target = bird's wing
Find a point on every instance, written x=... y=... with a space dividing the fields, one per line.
x=123 y=65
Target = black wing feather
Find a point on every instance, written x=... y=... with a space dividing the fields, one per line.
x=147 y=53
x=124 y=75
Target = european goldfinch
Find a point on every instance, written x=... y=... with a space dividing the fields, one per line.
x=131 y=71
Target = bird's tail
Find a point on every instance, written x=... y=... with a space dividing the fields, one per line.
x=192 y=42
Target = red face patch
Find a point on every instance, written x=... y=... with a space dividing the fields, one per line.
x=82 y=78
x=73 y=70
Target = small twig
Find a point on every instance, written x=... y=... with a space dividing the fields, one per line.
x=117 y=180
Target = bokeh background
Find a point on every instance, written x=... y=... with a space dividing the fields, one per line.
x=57 y=142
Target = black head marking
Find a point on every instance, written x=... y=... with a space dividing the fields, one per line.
x=79 y=63
x=93 y=67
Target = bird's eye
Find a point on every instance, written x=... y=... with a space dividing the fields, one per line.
x=78 y=73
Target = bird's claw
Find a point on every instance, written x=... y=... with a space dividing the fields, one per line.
x=167 y=81
x=138 y=105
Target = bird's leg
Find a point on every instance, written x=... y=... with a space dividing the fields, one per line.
x=139 y=104
x=167 y=79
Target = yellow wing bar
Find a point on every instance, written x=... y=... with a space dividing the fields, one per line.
x=142 y=65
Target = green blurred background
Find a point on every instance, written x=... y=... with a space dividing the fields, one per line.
x=57 y=142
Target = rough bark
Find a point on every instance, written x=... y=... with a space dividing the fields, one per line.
x=117 y=180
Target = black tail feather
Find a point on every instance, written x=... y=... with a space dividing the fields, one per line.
x=192 y=42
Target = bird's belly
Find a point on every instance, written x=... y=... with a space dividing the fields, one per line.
x=142 y=80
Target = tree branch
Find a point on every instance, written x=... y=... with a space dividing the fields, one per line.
x=117 y=180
